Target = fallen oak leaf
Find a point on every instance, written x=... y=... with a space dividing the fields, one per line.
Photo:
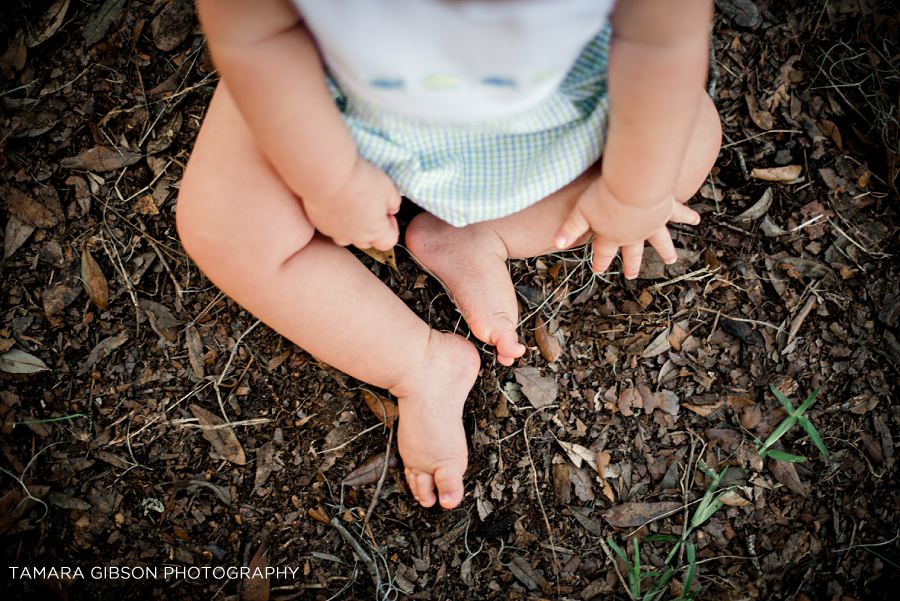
x=369 y=472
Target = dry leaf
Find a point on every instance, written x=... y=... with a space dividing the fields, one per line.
x=258 y=588
x=27 y=208
x=17 y=232
x=788 y=173
x=195 y=350
x=384 y=410
x=632 y=515
x=759 y=208
x=101 y=158
x=173 y=24
x=761 y=117
x=319 y=514
x=786 y=473
x=369 y=472
x=61 y=293
x=103 y=349
x=539 y=390
x=265 y=464
x=48 y=24
x=658 y=346
x=19 y=362
x=629 y=398
x=578 y=453
x=93 y=279
x=14 y=58
x=385 y=257
x=145 y=205
x=98 y=23
x=223 y=439
x=15 y=504
x=581 y=482
x=561 y=483
x=547 y=342
x=733 y=498
x=603 y=459
x=166 y=136
x=704 y=410
x=583 y=515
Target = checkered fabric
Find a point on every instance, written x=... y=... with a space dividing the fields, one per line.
x=466 y=173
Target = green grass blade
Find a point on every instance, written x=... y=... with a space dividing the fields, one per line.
x=691 y=570
x=660 y=585
x=784 y=400
x=662 y=538
x=619 y=551
x=673 y=552
x=813 y=434
x=808 y=402
x=783 y=427
x=782 y=456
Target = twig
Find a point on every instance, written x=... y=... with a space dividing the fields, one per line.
x=797 y=322
x=364 y=557
x=384 y=471
x=537 y=493
x=228 y=367
x=340 y=446
x=612 y=559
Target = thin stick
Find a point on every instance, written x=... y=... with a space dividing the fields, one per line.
x=537 y=493
x=384 y=471
x=360 y=552
x=797 y=322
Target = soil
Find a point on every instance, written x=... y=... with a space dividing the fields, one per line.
x=149 y=423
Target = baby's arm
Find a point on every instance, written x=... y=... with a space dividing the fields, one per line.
x=273 y=70
x=657 y=67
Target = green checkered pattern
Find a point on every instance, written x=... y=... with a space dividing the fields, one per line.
x=475 y=172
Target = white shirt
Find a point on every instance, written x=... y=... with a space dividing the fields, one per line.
x=452 y=60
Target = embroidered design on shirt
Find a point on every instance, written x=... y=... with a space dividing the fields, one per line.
x=441 y=82
x=386 y=83
x=500 y=82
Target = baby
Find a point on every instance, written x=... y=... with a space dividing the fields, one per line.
x=491 y=115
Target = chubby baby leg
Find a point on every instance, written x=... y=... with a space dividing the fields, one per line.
x=471 y=261
x=251 y=237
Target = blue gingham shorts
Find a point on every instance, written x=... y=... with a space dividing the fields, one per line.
x=468 y=173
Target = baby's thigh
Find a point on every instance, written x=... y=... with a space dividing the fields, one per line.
x=234 y=211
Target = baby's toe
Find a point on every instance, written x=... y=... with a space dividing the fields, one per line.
x=509 y=348
x=422 y=487
x=449 y=481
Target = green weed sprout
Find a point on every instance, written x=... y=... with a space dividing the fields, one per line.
x=794 y=416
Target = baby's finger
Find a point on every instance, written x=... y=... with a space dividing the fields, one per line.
x=388 y=236
x=572 y=228
x=394 y=202
x=631 y=260
x=604 y=254
x=682 y=214
x=661 y=240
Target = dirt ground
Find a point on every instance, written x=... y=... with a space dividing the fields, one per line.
x=150 y=424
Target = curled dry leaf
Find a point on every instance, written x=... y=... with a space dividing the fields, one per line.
x=761 y=117
x=603 y=459
x=562 y=484
x=539 y=390
x=384 y=410
x=195 y=350
x=265 y=464
x=370 y=470
x=13 y=59
x=223 y=439
x=319 y=514
x=101 y=158
x=632 y=515
x=48 y=24
x=93 y=279
x=547 y=342
x=788 y=173
x=581 y=482
x=759 y=208
x=786 y=473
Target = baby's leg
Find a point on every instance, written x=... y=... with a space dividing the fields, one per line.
x=250 y=235
x=471 y=261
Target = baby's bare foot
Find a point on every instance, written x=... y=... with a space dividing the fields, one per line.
x=471 y=264
x=430 y=431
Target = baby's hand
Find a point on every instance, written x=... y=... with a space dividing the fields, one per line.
x=620 y=225
x=361 y=212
